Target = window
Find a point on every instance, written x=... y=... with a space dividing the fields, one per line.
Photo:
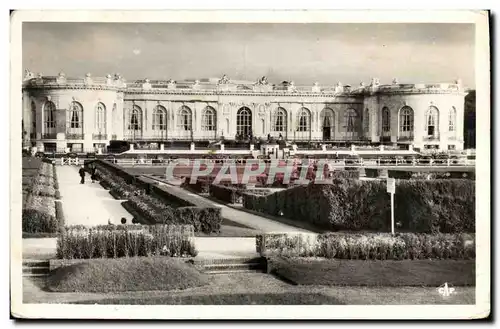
x=350 y=120
x=304 y=120
x=49 y=114
x=100 y=118
x=452 y=117
x=75 y=115
x=208 y=119
x=406 y=122
x=160 y=118
x=244 y=122
x=280 y=119
x=184 y=119
x=451 y=147
x=386 y=120
x=135 y=119
x=366 y=120
x=327 y=120
x=432 y=121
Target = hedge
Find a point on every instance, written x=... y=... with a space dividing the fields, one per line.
x=446 y=206
x=225 y=193
x=375 y=246
x=206 y=220
x=39 y=215
x=110 y=242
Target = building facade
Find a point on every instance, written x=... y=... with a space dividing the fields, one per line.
x=84 y=113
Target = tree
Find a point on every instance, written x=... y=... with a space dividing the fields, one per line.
x=470 y=120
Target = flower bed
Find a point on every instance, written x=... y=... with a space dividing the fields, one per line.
x=39 y=215
x=375 y=246
x=159 y=206
x=123 y=241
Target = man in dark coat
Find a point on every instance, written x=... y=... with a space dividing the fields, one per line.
x=93 y=172
x=82 y=175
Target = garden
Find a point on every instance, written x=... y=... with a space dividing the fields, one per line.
x=150 y=204
x=42 y=213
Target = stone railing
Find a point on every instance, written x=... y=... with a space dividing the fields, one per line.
x=99 y=136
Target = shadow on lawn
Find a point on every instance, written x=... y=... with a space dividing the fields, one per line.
x=226 y=299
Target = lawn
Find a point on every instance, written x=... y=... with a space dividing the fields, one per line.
x=433 y=273
x=227 y=299
x=126 y=274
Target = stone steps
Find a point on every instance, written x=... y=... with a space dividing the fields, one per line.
x=231 y=265
x=35 y=268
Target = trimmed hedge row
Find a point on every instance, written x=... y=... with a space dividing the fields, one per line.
x=115 y=241
x=446 y=206
x=39 y=215
x=375 y=246
x=429 y=175
x=225 y=193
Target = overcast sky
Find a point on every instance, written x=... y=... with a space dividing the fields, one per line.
x=304 y=53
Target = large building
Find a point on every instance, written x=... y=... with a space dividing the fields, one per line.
x=84 y=113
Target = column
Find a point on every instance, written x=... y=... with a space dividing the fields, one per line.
x=88 y=125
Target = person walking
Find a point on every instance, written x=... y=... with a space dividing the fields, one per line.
x=93 y=172
x=82 y=175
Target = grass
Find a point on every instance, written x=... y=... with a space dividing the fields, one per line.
x=129 y=274
x=421 y=273
x=228 y=299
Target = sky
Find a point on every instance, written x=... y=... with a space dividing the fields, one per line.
x=303 y=53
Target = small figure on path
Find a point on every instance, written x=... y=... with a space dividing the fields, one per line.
x=82 y=175
x=93 y=172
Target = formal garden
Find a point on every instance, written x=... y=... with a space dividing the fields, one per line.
x=348 y=245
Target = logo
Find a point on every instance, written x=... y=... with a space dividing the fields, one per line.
x=446 y=290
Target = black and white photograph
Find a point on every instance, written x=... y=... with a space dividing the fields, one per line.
x=166 y=165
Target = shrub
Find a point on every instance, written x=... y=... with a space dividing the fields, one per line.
x=39 y=215
x=206 y=220
x=44 y=190
x=112 y=242
x=225 y=193
x=446 y=206
x=375 y=246
x=203 y=219
x=345 y=174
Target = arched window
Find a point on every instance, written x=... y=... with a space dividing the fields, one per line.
x=100 y=118
x=208 y=119
x=74 y=125
x=49 y=116
x=366 y=120
x=452 y=119
x=76 y=115
x=406 y=122
x=160 y=118
x=33 y=116
x=304 y=120
x=327 y=117
x=386 y=120
x=244 y=122
x=135 y=119
x=184 y=119
x=350 y=120
x=280 y=120
x=432 y=121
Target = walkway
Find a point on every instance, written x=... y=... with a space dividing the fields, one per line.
x=88 y=204
x=256 y=222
